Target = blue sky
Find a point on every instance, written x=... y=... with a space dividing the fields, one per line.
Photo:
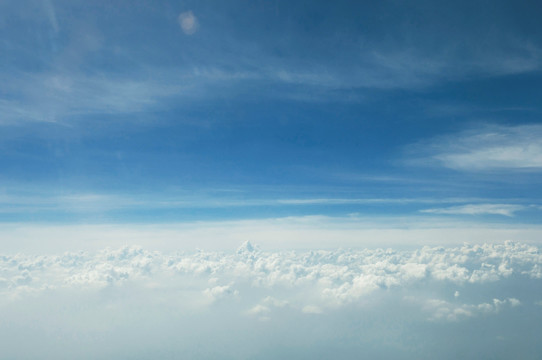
x=187 y=111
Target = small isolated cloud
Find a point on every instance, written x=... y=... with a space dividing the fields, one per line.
x=514 y=302
x=477 y=209
x=219 y=292
x=188 y=22
x=488 y=148
x=263 y=310
x=260 y=312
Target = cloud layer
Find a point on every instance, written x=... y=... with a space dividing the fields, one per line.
x=438 y=288
x=334 y=277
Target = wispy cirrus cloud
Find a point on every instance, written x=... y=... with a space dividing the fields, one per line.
x=490 y=148
x=57 y=96
x=14 y=198
x=18 y=201
x=478 y=209
x=272 y=60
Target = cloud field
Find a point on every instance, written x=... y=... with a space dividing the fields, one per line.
x=135 y=303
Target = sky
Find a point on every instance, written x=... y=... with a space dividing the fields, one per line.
x=159 y=127
x=188 y=111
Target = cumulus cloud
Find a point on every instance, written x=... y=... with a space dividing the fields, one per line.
x=199 y=295
x=219 y=292
x=329 y=278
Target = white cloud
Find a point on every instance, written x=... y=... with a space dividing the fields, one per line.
x=53 y=97
x=219 y=292
x=254 y=298
x=17 y=199
x=328 y=278
x=478 y=209
x=188 y=22
x=514 y=302
x=489 y=148
x=58 y=96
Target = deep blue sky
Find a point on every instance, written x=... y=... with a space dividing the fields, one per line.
x=172 y=111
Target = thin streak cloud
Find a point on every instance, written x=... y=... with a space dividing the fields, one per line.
x=478 y=209
x=491 y=148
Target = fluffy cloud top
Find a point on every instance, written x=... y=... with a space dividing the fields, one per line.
x=330 y=278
